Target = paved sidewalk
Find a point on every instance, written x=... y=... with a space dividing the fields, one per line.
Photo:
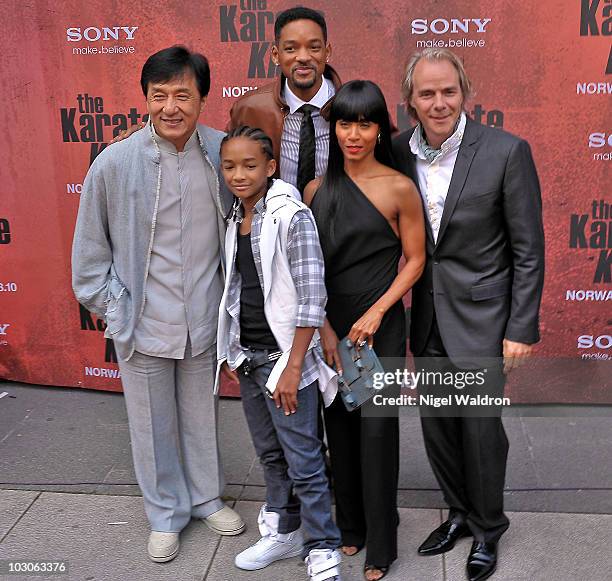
x=67 y=492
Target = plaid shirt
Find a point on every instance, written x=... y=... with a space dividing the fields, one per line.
x=307 y=271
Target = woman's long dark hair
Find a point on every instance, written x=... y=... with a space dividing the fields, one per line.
x=355 y=101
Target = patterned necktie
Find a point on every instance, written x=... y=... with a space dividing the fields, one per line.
x=306 y=159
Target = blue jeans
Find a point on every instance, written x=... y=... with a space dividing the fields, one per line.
x=289 y=450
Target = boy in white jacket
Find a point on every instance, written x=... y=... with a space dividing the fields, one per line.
x=273 y=303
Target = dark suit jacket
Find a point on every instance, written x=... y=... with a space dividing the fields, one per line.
x=484 y=276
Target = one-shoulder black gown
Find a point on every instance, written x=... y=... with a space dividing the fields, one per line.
x=361 y=261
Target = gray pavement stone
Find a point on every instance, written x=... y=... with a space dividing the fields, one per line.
x=66 y=451
x=118 y=489
x=232 y=492
x=256 y=476
x=122 y=470
x=120 y=478
x=415 y=471
x=53 y=436
x=15 y=407
x=541 y=547
x=571 y=452
x=521 y=471
x=414 y=524
x=254 y=493
x=13 y=503
x=420 y=499
x=77 y=528
x=80 y=489
x=58 y=437
x=237 y=452
x=42 y=402
x=561 y=501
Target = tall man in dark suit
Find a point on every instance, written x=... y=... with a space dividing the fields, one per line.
x=479 y=295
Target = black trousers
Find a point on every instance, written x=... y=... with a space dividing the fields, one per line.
x=468 y=454
x=365 y=466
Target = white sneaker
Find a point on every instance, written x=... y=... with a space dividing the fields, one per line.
x=225 y=522
x=163 y=547
x=273 y=546
x=323 y=565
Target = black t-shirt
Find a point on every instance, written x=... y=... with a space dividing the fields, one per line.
x=254 y=329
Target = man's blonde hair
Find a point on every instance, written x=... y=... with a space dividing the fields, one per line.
x=434 y=54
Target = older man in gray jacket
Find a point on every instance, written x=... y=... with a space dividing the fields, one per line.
x=147 y=256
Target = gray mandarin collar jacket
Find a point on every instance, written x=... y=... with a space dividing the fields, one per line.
x=115 y=228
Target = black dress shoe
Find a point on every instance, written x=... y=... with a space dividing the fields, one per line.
x=482 y=561
x=443 y=538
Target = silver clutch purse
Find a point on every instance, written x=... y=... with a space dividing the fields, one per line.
x=356 y=384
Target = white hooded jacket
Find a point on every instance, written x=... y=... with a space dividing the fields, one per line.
x=279 y=292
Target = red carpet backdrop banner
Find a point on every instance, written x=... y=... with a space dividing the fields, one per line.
x=542 y=70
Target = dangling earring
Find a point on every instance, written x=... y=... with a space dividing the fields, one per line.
x=378 y=138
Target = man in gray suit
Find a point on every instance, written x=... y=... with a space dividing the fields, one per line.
x=147 y=257
x=479 y=295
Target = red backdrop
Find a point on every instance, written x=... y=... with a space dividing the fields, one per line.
x=70 y=76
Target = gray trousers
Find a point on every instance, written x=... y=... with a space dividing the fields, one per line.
x=172 y=414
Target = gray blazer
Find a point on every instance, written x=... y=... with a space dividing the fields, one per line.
x=115 y=228
x=483 y=278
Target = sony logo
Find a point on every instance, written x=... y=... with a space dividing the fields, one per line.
x=600 y=140
x=452 y=26
x=93 y=34
x=588 y=341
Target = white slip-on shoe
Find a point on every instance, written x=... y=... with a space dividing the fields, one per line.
x=273 y=546
x=323 y=565
x=163 y=547
x=225 y=522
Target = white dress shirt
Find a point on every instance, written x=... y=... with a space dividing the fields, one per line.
x=434 y=177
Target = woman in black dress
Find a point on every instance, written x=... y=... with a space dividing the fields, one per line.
x=368 y=215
